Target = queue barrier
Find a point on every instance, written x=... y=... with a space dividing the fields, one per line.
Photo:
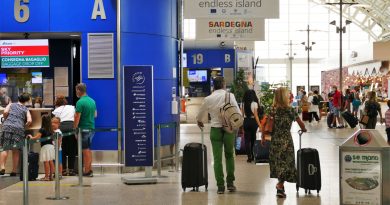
x=25 y=144
x=177 y=151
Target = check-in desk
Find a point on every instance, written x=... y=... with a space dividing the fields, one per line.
x=36 y=116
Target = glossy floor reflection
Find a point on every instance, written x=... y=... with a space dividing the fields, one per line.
x=252 y=181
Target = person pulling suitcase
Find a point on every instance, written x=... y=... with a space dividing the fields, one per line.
x=220 y=139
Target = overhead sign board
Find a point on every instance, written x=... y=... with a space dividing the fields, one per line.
x=24 y=53
x=194 y=9
x=230 y=29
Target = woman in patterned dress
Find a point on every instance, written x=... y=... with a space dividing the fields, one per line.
x=282 y=154
x=16 y=118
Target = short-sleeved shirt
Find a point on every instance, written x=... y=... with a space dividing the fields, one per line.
x=254 y=106
x=86 y=106
x=65 y=113
x=16 y=119
x=45 y=133
x=337 y=99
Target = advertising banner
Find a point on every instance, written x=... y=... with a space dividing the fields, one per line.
x=138 y=115
x=361 y=178
x=24 y=53
x=194 y=9
x=230 y=29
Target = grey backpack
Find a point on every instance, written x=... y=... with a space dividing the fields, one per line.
x=232 y=120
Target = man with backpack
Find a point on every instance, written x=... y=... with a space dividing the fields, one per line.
x=221 y=139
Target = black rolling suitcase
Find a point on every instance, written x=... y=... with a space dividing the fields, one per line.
x=351 y=120
x=194 y=166
x=308 y=169
x=33 y=166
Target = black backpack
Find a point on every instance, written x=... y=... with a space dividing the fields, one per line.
x=316 y=100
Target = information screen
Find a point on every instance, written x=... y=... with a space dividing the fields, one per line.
x=197 y=75
x=24 y=53
x=36 y=78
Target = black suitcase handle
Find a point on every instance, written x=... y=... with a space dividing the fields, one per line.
x=300 y=132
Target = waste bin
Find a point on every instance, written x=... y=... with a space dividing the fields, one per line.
x=364 y=169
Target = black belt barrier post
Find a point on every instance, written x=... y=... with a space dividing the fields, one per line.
x=25 y=172
x=80 y=158
x=57 y=173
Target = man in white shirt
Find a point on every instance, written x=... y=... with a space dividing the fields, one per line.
x=219 y=138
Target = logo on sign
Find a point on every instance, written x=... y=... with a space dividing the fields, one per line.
x=348 y=158
x=138 y=78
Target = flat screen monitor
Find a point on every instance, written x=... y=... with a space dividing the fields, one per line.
x=3 y=78
x=36 y=77
x=197 y=76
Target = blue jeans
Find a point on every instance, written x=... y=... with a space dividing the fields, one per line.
x=87 y=139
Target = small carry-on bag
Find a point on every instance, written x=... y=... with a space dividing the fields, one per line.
x=261 y=153
x=194 y=166
x=329 y=119
x=351 y=120
x=305 y=116
x=308 y=169
x=33 y=167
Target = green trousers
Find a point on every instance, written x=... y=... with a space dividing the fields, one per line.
x=221 y=140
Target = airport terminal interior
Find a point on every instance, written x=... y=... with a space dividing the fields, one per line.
x=132 y=79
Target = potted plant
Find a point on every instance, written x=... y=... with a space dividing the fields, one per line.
x=239 y=86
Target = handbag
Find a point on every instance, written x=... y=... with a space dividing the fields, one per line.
x=364 y=119
x=269 y=124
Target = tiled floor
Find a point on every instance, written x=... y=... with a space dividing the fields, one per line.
x=253 y=182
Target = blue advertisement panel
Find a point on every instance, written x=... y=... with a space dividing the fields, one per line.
x=222 y=58
x=138 y=116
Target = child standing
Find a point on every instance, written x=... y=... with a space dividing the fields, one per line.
x=387 y=122
x=47 y=154
x=356 y=104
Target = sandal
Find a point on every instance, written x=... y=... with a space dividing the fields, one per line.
x=280 y=193
x=45 y=179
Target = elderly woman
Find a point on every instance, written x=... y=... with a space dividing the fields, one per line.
x=16 y=117
x=69 y=143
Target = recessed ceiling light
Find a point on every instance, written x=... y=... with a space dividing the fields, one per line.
x=74 y=35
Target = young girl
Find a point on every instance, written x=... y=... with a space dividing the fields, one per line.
x=47 y=154
x=356 y=104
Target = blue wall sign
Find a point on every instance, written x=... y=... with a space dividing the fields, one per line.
x=212 y=58
x=138 y=115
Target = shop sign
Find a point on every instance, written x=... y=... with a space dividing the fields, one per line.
x=230 y=29
x=138 y=116
x=231 y=8
x=361 y=180
x=24 y=53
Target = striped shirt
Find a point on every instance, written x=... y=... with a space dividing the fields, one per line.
x=387 y=118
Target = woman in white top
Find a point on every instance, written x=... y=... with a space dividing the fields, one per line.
x=69 y=143
x=251 y=121
x=314 y=101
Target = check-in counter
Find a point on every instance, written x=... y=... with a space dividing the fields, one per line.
x=36 y=115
